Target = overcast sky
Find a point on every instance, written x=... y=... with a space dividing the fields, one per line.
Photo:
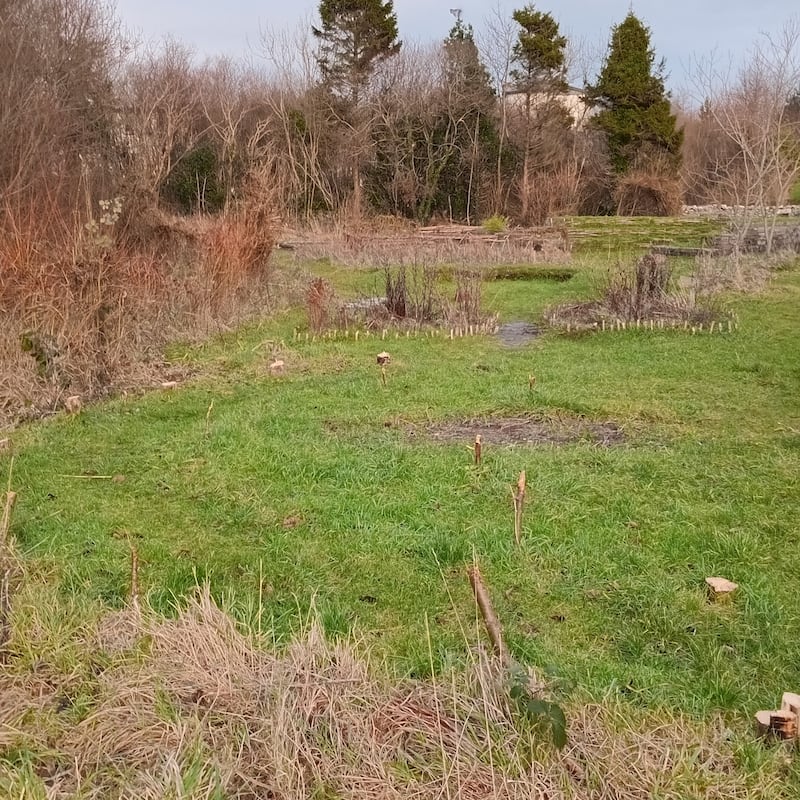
x=681 y=29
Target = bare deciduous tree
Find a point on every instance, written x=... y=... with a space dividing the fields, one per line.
x=753 y=149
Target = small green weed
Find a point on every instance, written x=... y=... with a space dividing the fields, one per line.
x=497 y=223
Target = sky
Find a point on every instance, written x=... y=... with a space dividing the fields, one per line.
x=682 y=30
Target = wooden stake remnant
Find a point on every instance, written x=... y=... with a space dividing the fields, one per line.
x=720 y=588
x=490 y=619
x=383 y=358
x=134 y=577
x=519 y=504
x=531 y=382
x=478 y=449
x=73 y=404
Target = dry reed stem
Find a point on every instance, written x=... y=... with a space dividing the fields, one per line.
x=5 y=522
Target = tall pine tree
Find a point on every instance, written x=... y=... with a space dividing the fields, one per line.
x=539 y=74
x=538 y=53
x=634 y=106
x=353 y=36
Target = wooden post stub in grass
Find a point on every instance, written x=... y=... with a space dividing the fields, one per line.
x=73 y=404
x=490 y=619
x=519 y=503
x=531 y=382
x=720 y=589
x=5 y=521
x=383 y=358
x=5 y=445
x=478 y=450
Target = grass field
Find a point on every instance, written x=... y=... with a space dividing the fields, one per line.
x=322 y=487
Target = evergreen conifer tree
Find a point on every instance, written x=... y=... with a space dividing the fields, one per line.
x=353 y=36
x=635 y=111
x=538 y=53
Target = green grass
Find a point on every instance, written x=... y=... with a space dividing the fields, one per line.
x=613 y=235
x=607 y=588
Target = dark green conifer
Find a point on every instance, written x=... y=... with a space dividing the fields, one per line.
x=635 y=111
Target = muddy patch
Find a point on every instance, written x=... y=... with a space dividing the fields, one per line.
x=517 y=334
x=527 y=430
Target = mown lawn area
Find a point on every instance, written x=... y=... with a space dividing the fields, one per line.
x=322 y=487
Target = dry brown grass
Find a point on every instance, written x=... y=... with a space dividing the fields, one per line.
x=378 y=243
x=87 y=308
x=131 y=705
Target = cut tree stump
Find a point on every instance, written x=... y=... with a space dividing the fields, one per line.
x=720 y=588
x=784 y=723
x=780 y=724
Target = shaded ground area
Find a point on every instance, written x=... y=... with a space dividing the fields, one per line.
x=528 y=430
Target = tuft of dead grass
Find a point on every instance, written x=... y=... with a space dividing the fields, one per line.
x=133 y=705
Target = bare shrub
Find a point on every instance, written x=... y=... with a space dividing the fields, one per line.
x=466 y=307
x=635 y=294
x=750 y=156
x=642 y=293
x=412 y=293
x=738 y=272
x=320 y=304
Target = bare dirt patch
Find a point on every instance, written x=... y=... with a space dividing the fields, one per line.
x=528 y=430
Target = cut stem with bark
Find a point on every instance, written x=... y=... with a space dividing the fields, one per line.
x=519 y=504
x=493 y=627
